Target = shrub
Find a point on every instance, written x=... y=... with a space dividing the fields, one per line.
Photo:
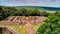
x=51 y=26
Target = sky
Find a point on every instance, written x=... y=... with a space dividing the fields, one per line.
x=49 y=3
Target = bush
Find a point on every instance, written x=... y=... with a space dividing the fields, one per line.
x=51 y=26
x=57 y=13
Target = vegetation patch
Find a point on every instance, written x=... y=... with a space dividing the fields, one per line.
x=51 y=26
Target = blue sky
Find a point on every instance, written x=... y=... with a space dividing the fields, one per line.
x=51 y=3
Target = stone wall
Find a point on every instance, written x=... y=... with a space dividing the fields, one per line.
x=7 y=30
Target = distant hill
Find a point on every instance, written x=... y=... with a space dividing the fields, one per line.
x=36 y=7
x=40 y=7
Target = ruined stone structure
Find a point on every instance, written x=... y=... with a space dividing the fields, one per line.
x=7 y=30
x=22 y=20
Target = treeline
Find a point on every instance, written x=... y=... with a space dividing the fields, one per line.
x=5 y=11
x=11 y=11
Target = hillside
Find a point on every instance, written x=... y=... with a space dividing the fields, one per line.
x=35 y=7
x=6 y=11
x=40 y=7
x=30 y=19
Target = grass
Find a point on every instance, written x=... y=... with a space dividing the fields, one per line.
x=35 y=28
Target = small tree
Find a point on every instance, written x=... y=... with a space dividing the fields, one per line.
x=57 y=13
x=35 y=13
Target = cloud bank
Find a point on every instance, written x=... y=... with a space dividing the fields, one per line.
x=54 y=3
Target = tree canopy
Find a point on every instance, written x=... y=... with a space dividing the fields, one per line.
x=51 y=26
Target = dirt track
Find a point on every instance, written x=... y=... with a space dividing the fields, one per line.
x=29 y=29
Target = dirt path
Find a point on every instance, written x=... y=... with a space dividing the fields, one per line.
x=29 y=29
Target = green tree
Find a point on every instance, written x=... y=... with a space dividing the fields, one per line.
x=22 y=11
x=57 y=13
x=44 y=13
x=51 y=26
x=35 y=12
